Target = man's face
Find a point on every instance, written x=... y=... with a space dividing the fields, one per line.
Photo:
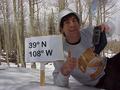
x=71 y=26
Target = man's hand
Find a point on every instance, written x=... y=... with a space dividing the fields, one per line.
x=104 y=27
x=69 y=65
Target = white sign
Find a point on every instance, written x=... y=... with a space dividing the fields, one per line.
x=44 y=48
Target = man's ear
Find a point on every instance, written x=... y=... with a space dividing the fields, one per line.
x=61 y=31
x=79 y=26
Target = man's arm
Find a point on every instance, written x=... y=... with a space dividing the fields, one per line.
x=59 y=78
x=63 y=70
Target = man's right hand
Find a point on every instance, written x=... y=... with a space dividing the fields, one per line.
x=69 y=65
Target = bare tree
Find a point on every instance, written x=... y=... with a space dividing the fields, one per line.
x=17 y=30
x=6 y=28
x=62 y=4
x=79 y=10
x=51 y=25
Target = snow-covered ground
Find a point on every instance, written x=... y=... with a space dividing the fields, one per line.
x=14 y=78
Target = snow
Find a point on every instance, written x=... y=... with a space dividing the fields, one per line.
x=14 y=78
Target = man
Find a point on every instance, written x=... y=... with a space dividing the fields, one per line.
x=81 y=59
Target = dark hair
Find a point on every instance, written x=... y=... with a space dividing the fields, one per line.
x=64 y=19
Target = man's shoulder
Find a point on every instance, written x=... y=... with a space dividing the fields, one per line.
x=87 y=28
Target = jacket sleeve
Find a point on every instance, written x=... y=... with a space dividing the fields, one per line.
x=59 y=79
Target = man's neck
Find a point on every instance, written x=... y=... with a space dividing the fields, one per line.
x=73 y=41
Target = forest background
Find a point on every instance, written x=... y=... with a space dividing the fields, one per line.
x=27 y=18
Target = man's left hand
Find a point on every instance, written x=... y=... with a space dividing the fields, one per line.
x=104 y=27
